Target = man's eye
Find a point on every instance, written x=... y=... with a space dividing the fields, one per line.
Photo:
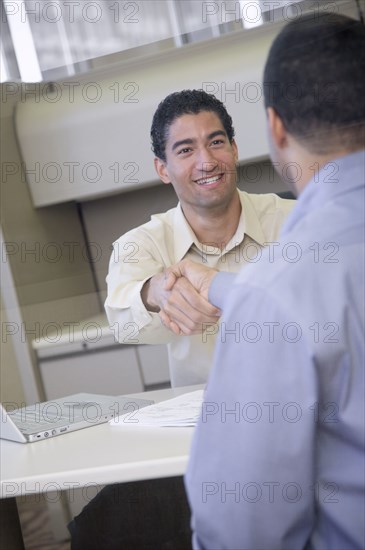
x=185 y=150
x=217 y=142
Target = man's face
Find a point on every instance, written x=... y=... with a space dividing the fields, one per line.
x=200 y=162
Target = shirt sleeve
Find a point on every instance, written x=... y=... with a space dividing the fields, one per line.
x=131 y=265
x=250 y=479
x=219 y=288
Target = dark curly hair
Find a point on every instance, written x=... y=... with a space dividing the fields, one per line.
x=314 y=80
x=184 y=103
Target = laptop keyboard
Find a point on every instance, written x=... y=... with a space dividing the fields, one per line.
x=32 y=426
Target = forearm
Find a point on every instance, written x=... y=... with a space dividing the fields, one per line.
x=128 y=317
x=130 y=314
x=127 y=328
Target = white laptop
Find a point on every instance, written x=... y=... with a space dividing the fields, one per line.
x=59 y=416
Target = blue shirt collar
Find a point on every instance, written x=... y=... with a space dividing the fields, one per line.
x=339 y=176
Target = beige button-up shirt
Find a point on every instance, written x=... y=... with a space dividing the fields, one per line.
x=165 y=240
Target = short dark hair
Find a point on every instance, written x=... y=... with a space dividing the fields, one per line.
x=184 y=103
x=314 y=80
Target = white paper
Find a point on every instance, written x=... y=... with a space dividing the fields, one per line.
x=183 y=410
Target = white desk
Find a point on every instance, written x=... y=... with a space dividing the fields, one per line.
x=96 y=456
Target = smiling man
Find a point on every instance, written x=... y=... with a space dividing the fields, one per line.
x=214 y=224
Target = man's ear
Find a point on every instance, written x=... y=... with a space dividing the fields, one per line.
x=161 y=169
x=277 y=129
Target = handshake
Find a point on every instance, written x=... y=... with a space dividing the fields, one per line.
x=180 y=295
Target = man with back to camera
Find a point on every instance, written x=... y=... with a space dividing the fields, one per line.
x=287 y=408
x=214 y=224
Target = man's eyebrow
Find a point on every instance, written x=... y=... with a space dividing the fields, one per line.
x=189 y=141
x=217 y=133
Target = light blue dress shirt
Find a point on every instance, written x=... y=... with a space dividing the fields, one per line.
x=278 y=455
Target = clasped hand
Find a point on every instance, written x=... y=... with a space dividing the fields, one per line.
x=184 y=305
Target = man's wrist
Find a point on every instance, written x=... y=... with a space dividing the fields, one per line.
x=147 y=297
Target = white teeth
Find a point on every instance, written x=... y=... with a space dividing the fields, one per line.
x=208 y=180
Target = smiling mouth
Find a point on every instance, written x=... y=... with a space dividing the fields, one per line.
x=209 y=181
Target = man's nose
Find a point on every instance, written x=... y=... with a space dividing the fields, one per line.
x=205 y=160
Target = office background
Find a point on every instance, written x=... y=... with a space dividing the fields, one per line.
x=101 y=116
x=54 y=218
x=51 y=226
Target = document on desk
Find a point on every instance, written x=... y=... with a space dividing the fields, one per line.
x=180 y=411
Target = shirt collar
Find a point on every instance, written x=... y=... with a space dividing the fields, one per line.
x=184 y=236
x=251 y=220
x=339 y=176
x=249 y=224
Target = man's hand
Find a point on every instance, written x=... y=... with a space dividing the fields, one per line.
x=200 y=278
x=182 y=308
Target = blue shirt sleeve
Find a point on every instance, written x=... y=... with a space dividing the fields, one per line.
x=219 y=288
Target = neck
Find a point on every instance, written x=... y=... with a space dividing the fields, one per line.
x=215 y=226
x=307 y=165
x=312 y=165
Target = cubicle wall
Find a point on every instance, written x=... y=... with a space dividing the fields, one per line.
x=89 y=137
